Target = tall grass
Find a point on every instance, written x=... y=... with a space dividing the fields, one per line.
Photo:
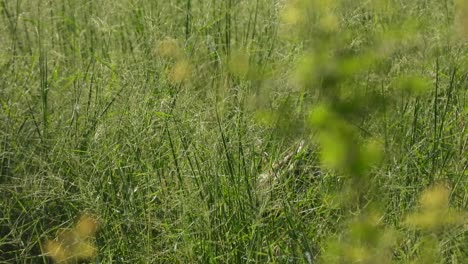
x=258 y=131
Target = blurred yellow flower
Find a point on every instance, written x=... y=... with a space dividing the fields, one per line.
x=180 y=72
x=239 y=63
x=72 y=245
x=293 y=13
x=435 y=210
x=461 y=19
x=169 y=49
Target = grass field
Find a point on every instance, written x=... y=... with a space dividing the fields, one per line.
x=222 y=131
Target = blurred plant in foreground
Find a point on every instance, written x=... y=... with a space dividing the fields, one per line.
x=461 y=20
x=367 y=240
x=180 y=67
x=435 y=212
x=343 y=53
x=433 y=219
x=76 y=244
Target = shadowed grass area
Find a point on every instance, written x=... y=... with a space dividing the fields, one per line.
x=261 y=131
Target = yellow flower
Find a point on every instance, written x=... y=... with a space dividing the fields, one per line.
x=435 y=210
x=461 y=19
x=180 y=72
x=72 y=245
x=169 y=48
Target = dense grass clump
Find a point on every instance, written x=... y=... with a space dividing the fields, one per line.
x=261 y=131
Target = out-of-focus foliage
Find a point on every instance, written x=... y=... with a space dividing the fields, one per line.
x=435 y=211
x=76 y=244
x=461 y=19
x=344 y=50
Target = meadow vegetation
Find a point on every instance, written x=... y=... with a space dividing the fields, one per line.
x=249 y=131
